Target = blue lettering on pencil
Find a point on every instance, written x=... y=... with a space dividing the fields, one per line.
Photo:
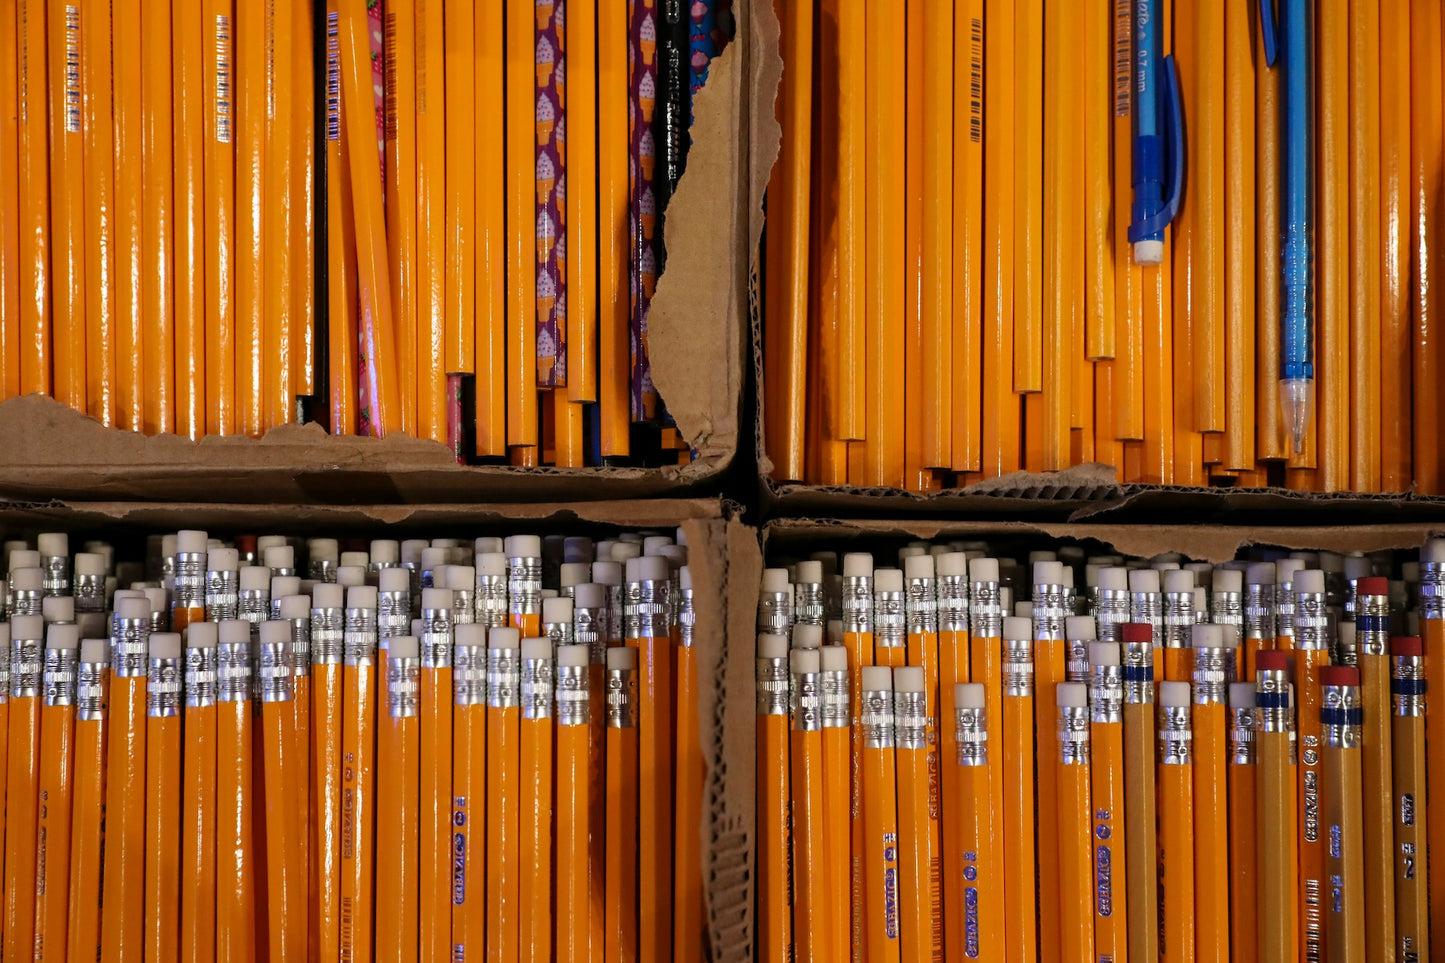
x=459 y=868
x=1103 y=880
x=970 y=922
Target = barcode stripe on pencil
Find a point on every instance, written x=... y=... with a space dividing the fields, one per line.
x=975 y=79
x=72 y=69
x=223 y=79
x=1123 y=57
x=333 y=76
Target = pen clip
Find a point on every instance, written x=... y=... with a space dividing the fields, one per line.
x=1268 y=29
x=1174 y=121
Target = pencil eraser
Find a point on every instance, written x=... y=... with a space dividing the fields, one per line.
x=1072 y=695
x=1228 y=580
x=1260 y=573
x=436 y=598
x=653 y=543
x=1006 y=601
x=589 y=595
x=407 y=647
x=1174 y=694
x=807 y=636
x=1201 y=599
x=5 y=635
x=275 y=633
x=572 y=655
x=202 y=635
x=522 y=546
x=684 y=578
x=951 y=564
x=804 y=661
x=887 y=580
x=395 y=580
x=24 y=558
x=166 y=645
x=133 y=608
x=234 y=632
x=1165 y=565
x=294 y=606
x=267 y=541
x=1024 y=610
x=191 y=542
x=1018 y=629
x=775 y=580
x=433 y=558
x=1433 y=550
x=1207 y=636
x=916 y=567
x=1148 y=253
x=1241 y=695
x=1079 y=628
x=1372 y=585
x=385 y=551
x=908 y=678
x=983 y=569
x=1042 y=555
x=27 y=579
x=578 y=549
x=255 y=578
x=650 y=568
x=58 y=608
x=622 y=551
x=574 y=573
x=323 y=550
x=66 y=635
x=1358 y=567
x=1346 y=633
x=358 y=559
x=328 y=595
x=1406 y=645
x=1332 y=562
x=969 y=695
x=557 y=610
x=458 y=578
x=910 y=550
x=622 y=658
x=1103 y=653
x=283 y=585
x=1048 y=573
x=857 y=565
x=1202 y=571
x=51 y=544
x=158 y=600
x=222 y=559
x=810 y=572
x=361 y=596
x=1308 y=581
x=27 y=627
x=1114 y=578
x=412 y=549
x=487 y=544
x=95 y=651
x=607 y=573
x=835 y=658
x=469 y=634
x=279 y=556
x=1178 y=581
x=504 y=637
x=1285 y=570
x=1271 y=660
x=772 y=646
x=1068 y=577
x=1339 y=675
x=89 y=564
x=1144 y=581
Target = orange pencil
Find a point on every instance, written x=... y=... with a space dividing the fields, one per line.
x=340 y=245
x=358 y=780
x=581 y=215
x=1269 y=432
x=303 y=220
x=469 y=813
x=198 y=833
x=612 y=230
x=285 y=854
x=1335 y=194
x=1028 y=218
x=1311 y=654
x=402 y=235
x=812 y=919
x=978 y=839
x=1277 y=869
x=124 y=917
x=1075 y=832
x=1100 y=106
x=1207 y=146
x=1426 y=214
x=56 y=788
x=1396 y=391
x=325 y=651
x=689 y=929
x=35 y=346
x=954 y=665
x=87 y=825
x=235 y=850
x=10 y=265
x=295 y=611
x=1239 y=236
x=1176 y=823
x=1410 y=850
x=1020 y=892
x=1215 y=649
x=1108 y=800
x=67 y=203
x=521 y=296
x=279 y=208
x=492 y=189
x=857 y=605
x=503 y=817
x=573 y=933
x=537 y=750
x=460 y=76
x=1243 y=822
x=396 y=807
x=1367 y=388
x=1049 y=659
x=622 y=826
x=189 y=136
x=1000 y=408
x=1182 y=258
x=250 y=292
x=882 y=927
x=1372 y=637
x=157 y=277
x=163 y=796
x=837 y=792
x=435 y=832
x=942 y=147
x=218 y=163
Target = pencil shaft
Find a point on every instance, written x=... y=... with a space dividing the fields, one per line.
x=67 y=203
x=53 y=830
x=34 y=183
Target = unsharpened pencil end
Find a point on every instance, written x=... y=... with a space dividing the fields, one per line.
x=968 y=695
x=1174 y=694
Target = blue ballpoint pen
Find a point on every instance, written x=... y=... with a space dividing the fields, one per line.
x=1296 y=354
x=1154 y=155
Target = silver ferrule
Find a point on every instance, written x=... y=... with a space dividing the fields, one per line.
x=376 y=567
x=129 y=642
x=911 y=721
x=163 y=689
x=417 y=579
x=26 y=665
x=256 y=679
x=189 y=588
x=300 y=647
x=1259 y=611
x=328 y=634
x=559 y=633
x=223 y=595
x=574 y=708
x=1311 y=621
x=504 y=678
x=1071 y=600
x=837 y=713
x=1342 y=712
x=615 y=594
x=1074 y=735
x=321 y=570
x=809 y=605
x=857 y=604
x=985 y=610
x=56 y=575
x=1228 y=609
x=490 y=602
x=27 y=602
x=1432 y=590
x=358 y=639
x=1284 y=599
x=469 y=675
x=877 y=718
x=1111 y=610
x=201 y=673
x=589 y=628
x=1148 y=608
x=90 y=691
x=1372 y=624
x=807 y=701
x=890 y=620
x=524 y=586
x=1213 y=672
x=772 y=685
x=621 y=701
x=1272 y=710
x=233 y=672
x=436 y=638
x=646 y=611
x=89 y=593
x=921 y=606
x=1241 y=736
x=970 y=733
x=254 y=605
x=1175 y=746
x=59 y=676
x=401 y=688
x=161 y=621
x=1407 y=685
x=165 y=568
x=833 y=597
x=1178 y=619
x=536 y=688
x=1138 y=670
x=1076 y=660
x=464 y=610
x=393 y=614
x=281 y=571
x=952 y=603
x=1106 y=693
x=1345 y=653
x=1018 y=668
x=1049 y=612
x=277 y=684
x=686 y=618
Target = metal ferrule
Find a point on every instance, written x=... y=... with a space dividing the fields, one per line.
x=809 y=604
x=281 y=571
x=358 y=640
x=524 y=586
x=504 y=678
x=223 y=595
x=1213 y=672
x=1049 y=612
x=1311 y=621
x=1372 y=624
x=1071 y=599
x=300 y=647
x=90 y=691
x=889 y=618
x=621 y=699
x=328 y=633
x=1148 y=607
x=952 y=591
x=1336 y=589
x=772 y=686
x=233 y=672
x=911 y=721
x=59 y=677
x=26 y=665
x=56 y=580
x=589 y=628
x=490 y=601
x=1111 y=610
x=837 y=713
x=1432 y=590
x=277 y=684
x=26 y=602
x=464 y=607
x=574 y=707
x=201 y=673
x=189 y=587
x=469 y=675
x=1178 y=619
x=1106 y=693
x=161 y=621
x=1342 y=713
x=393 y=614
x=985 y=612
x=321 y=570
x=253 y=605
x=1284 y=599
x=1076 y=662
x=1344 y=654
x=970 y=732
x=1074 y=735
x=921 y=606
x=646 y=613
x=89 y=593
x=560 y=633
x=1407 y=685
x=775 y=612
x=1018 y=668
x=833 y=598
x=401 y=688
x=163 y=689
x=129 y=641
x=1272 y=711
x=877 y=718
x=376 y=567
x=686 y=618
x=1241 y=736
x=807 y=701
x=1175 y=746
x=1138 y=673
x=1228 y=609
x=536 y=688
x=857 y=601
x=436 y=638
x=1259 y=612
x=614 y=613
x=415 y=578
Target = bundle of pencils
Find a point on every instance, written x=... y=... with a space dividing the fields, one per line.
x=976 y=760
x=414 y=750
x=1166 y=236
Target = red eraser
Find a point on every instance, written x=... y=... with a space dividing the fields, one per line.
x=1136 y=632
x=1339 y=675
x=1407 y=645
x=1272 y=660
x=1372 y=585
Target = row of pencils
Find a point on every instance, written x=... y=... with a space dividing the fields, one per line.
x=350 y=212
x=406 y=751
x=1122 y=772
x=950 y=289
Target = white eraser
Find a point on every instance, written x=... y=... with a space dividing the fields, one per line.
x=1178 y=581
x=436 y=598
x=1079 y=628
x=52 y=544
x=918 y=567
x=622 y=551
x=255 y=578
x=27 y=627
x=803 y=661
x=1433 y=550
x=684 y=578
x=908 y=678
x=274 y=633
x=1006 y=600
x=267 y=541
x=95 y=651
x=27 y=579
x=165 y=645
x=1308 y=581
x=407 y=647
x=433 y=558
x=491 y=564
x=522 y=546
x=1228 y=580
x=295 y=606
x=487 y=544
x=1199 y=569
x=983 y=569
x=1144 y=581
x=458 y=578
x=411 y=550
x=607 y=573
x=807 y=636
x=969 y=695
x=1068 y=574
x=222 y=559
x=202 y=635
x=1285 y=570
x=1024 y=610
x=1018 y=629
x=234 y=632
x=572 y=655
x=158 y=600
x=952 y=564
x=131 y=607
x=24 y=558
x=589 y=595
x=876 y=678
x=1042 y=555
x=58 y=608
x=1148 y=253
x=574 y=573
x=1357 y=567
x=1206 y=636
x=1241 y=695
x=1048 y=573
x=1114 y=578
x=810 y=572
x=323 y=550
x=536 y=649
x=358 y=559
x=857 y=565
x=1331 y=562
x=1260 y=573
x=397 y=580
x=775 y=581
x=279 y=556
x=557 y=610
x=503 y=637
x=1103 y=653
x=771 y=646
x=89 y=564
x=385 y=551
x=1174 y=694
x=361 y=596
x=1071 y=695
x=328 y=595
x=469 y=634
x=1165 y=566
x=887 y=580
x=835 y=658
x=652 y=543
x=1346 y=633
x=647 y=568
x=622 y=658
x=67 y=636
x=283 y=585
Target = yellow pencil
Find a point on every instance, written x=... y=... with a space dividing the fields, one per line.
x=1278 y=872
x=435 y=832
x=1000 y=409
x=954 y=657
x=1243 y=822
x=277 y=186
x=1049 y=671
x=87 y=851
x=1372 y=635
x=432 y=355
x=1176 y=823
x=521 y=296
x=1028 y=200
x=537 y=750
x=1076 y=865
x=358 y=762
x=163 y=796
x=939 y=365
x=401 y=200
x=198 y=826
x=1312 y=654
x=1020 y=920
x=1108 y=800
x=123 y=921
x=188 y=70
x=1341 y=713
x=67 y=202
x=396 y=809
x=622 y=826
x=34 y=182
x=1396 y=392
x=56 y=788
x=880 y=814
x=303 y=221
x=235 y=851
x=503 y=817
x=460 y=74
x=10 y=264
x=1214 y=649
x=218 y=162
x=469 y=791
x=1410 y=848
x=573 y=928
